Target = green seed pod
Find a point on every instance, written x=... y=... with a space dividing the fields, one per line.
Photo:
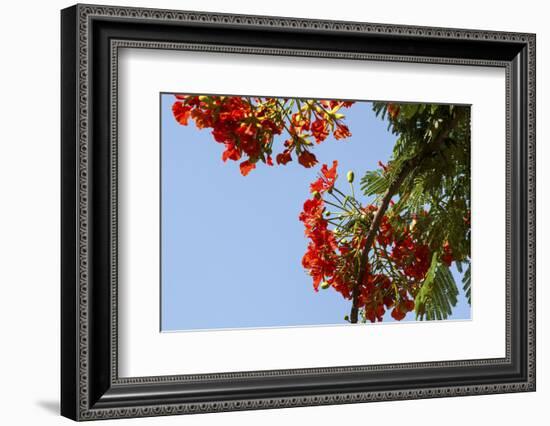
x=316 y=194
x=327 y=213
x=325 y=285
x=350 y=176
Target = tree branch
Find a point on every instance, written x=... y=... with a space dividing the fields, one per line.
x=373 y=229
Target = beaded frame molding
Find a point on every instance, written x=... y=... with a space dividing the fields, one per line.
x=91 y=38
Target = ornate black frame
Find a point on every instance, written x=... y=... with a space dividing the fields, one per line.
x=91 y=37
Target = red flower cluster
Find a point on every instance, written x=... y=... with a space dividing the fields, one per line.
x=323 y=252
x=242 y=127
x=409 y=258
x=407 y=252
x=332 y=260
x=247 y=126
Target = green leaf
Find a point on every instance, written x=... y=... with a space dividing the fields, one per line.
x=438 y=293
x=458 y=266
x=373 y=183
x=466 y=284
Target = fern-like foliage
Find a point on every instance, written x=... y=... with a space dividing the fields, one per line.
x=466 y=285
x=374 y=183
x=438 y=294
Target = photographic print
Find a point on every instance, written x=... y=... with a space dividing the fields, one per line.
x=285 y=212
x=287 y=189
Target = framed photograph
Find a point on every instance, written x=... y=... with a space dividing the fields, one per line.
x=263 y=212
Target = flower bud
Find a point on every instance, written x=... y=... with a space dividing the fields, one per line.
x=325 y=285
x=350 y=176
x=316 y=194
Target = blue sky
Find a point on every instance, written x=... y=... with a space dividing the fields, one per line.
x=231 y=246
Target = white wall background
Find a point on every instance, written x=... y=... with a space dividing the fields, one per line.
x=29 y=211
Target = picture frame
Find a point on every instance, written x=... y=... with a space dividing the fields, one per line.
x=91 y=387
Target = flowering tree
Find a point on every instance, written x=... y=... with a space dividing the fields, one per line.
x=393 y=251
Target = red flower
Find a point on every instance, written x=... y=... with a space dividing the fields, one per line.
x=388 y=301
x=251 y=147
x=319 y=129
x=284 y=157
x=299 y=123
x=404 y=306
x=181 y=112
x=409 y=305
x=307 y=159
x=246 y=131
x=222 y=133
x=271 y=126
x=397 y=314
x=385 y=235
x=238 y=114
x=311 y=213
x=231 y=152
x=380 y=311
x=203 y=119
x=326 y=180
x=246 y=167
x=342 y=132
